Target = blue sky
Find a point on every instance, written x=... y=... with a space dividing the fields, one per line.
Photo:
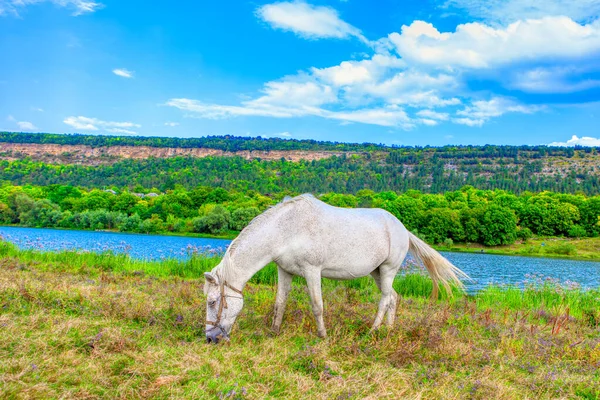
x=395 y=72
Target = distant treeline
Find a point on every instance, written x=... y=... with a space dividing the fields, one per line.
x=490 y=217
x=239 y=143
x=344 y=174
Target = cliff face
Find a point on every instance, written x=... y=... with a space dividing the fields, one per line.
x=80 y=154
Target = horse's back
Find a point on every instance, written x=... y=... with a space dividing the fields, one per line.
x=344 y=243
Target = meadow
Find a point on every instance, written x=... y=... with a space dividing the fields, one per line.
x=87 y=325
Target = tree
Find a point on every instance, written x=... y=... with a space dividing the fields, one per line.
x=241 y=217
x=124 y=202
x=7 y=216
x=131 y=223
x=440 y=224
x=470 y=220
x=498 y=226
x=215 y=222
x=590 y=210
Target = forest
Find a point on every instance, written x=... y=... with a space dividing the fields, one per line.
x=353 y=168
x=343 y=174
x=489 y=217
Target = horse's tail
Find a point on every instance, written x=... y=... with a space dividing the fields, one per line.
x=439 y=268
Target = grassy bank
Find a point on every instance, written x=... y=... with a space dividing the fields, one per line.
x=83 y=325
x=228 y=235
x=577 y=249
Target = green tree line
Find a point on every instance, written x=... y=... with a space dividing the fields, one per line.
x=490 y=217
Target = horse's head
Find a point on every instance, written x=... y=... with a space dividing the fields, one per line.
x=223 y=304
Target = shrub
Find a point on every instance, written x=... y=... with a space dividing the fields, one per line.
x=524 y=234
x=577 y=231
x=561 y=248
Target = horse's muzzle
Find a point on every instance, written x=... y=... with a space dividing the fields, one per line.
x=214 y=335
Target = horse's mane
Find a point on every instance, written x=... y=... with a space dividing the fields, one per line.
x=259 y=220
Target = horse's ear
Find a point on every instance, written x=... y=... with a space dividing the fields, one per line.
x=210 y=278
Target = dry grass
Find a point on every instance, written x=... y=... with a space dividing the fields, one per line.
x=93 y=334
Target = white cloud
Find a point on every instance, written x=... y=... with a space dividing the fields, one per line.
x=428 y=122
x=297 y=91
x=88 y=124
x=171 y=124
x=281 y=99
x=37 y=109
x=306 y=20
x=218 y=111
x=79 y=7
x=94 y=124
x=477 y=45
x=413 y=88
x=507 y=11
x=468 y=121
x=559 y=79
x=347 y=73
x=23 y=125
x=483 y=110
x=119 y=130
x=388 y=116
x=578 y=141
x=388 y=78
x=26 y=126
x=384 y=116
x=433 y=115
x=284 y=134
x=123 y=72
x=420 y=76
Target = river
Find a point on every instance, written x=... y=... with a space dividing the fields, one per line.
x=483 y=268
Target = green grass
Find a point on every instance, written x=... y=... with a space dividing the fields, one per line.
x=76 y=325
x=555 y=247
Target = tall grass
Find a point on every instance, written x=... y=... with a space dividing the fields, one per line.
x=549 y=296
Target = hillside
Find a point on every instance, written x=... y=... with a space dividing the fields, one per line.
x=275 y=165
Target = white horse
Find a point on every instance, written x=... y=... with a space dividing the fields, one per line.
x=306 y=237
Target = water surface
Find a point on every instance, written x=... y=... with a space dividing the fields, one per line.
x=483 y=268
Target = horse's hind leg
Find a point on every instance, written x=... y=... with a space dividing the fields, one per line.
x=284 y=285
x=313 y=281
x=389 y=297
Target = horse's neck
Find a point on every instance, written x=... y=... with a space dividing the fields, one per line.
x=251 y=252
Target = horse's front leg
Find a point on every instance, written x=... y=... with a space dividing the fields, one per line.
x=313 y=280
x=284 y=285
